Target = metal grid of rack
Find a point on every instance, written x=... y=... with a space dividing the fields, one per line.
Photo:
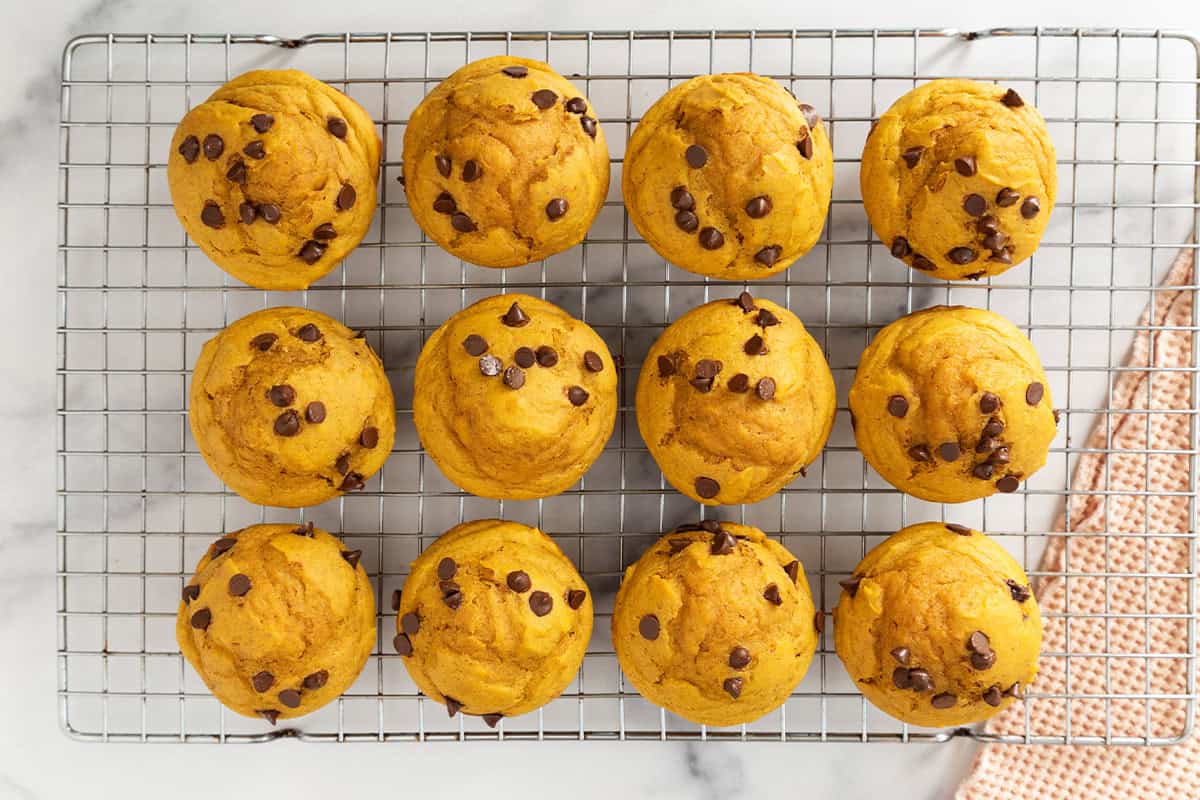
x=136 y=300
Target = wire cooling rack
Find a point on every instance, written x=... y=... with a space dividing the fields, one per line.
x=136 y=300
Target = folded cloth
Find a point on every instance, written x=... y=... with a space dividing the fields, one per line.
x=1127 y=517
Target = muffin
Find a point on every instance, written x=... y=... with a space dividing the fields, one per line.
x=505 y=163
x=290 y=408
x=734 y=400
x=274 y=177
x=959 y=178
x=938 y=626
x=950 y=404
x=514 y=399
x=715 y=623
x=493 y=620
x=278 y=620
x=729 y=176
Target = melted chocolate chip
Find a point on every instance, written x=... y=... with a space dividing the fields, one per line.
x=239 y=585
x=592 y=361
x=1034 y=393
x=544 y=98
x=337 y=126
x=262 y=681
x=452 y=705
x=402 y=644
x=212 y=216
x=965 y=166
x=556 y=208
x=921 y=262
x=444 y=204
x=686 y=221
x=648 y=627
x=805 y=146
x=237 y=172
x=524 y=357
x=961 y=530
x=189 y=148
x=900 y=247
x=771 y=595
x=962 y=255
x=475 y=345
x=316 y=680
x=666 y=367
x=975 y=205
x=988 y=402
x=541 y=603
x=1012 y=99
x=897 y=406
x=462 y=223
x=575 y=598
x=262 y=122
x=1007 y=197
x=269 y=212
x=707 y=487
x=920 y=452
x=1008 y=484
x=1019 y=592
x=247 y=213
x=287 y=423
x=1030 y=208
x=949 y=451
x=912 y=155
x=851 y=584
x=696 y=156
x=443 y=164
x=739 y=383
x=723 y=543
x=269 y=714
x=518 y=581
x=308 y=333
x=369 y=437
x=516 y=71
x=311 y=252
x=214 y=145
x=577 y=395
x=191 y=592
x=201 y=619
x=711 y=239
x=733 y=686
x=768 y=255
x=944 y=700
x=325 y=232
x=576 y=105
x=410 y=623
x=682 y=200
x=993 y=696
x=792 y=569
x=589 y=125
x=471 y=171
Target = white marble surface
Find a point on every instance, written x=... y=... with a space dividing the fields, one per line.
x=36 y=761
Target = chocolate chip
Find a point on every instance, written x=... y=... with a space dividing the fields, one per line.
x=949 y=451
x=707 y=368
x=589 y=126
x=247 y=213
x=262 y=681
x=352 y=557
x=768 y=255
x=1003 y=256
x=983 y=661
x=282 y=395
x=995 y=241
x=462 y=223
x=902 y=655
x=811 y=118
x=766 y=319
x=308 y=333
x=352 y=482
x=961 y=530
x=912 y=155
x=492 y=720
x=734 y=687
x=900 y=247
x=771 y=595
x=1034 y=393
x=475 y=345
x=974 y=204
x=850 y=584
x=710 y=525
x=1019 y=593
x=256 y=150
x=792 y=568
x=1057 y=415
x=446 y=568
x=577 y=395
x=544 y=98
x=648 y=627
x=711 y=239
x=315 y=412
x=682 y=199
x=1030 y=208
x=201 y=619
x=269 y=212
x=965 y=166
x=576 y=105
x=269 y=714
x=524 y=357
x=237 y=172
x=189 y=148
x=287 y=423
x=311 y=252
x=758 y=207
x=518 y=581
x=988 y=403
x=919 y=452
x=765 y=389
x=346 y=197
x=191 y=592
x=1014 y=690
x=514 y=377
x=819 y=621
x=666 y=367
x=754 y=346
x=944 y=700
x=444 y=204
x=305 y=530
x=222 y=545
x=316 y=680
x=214 y=145
x=541 y=603
x=696 y=156
x=897 y=406
x=410 y=623
x=239 y=585
x=452 y=594
x=396 y=596
x=452 y=705
x=490 y=366
x=471 y=171
x=805 y=146
x=369 y=437
x=677 y=546
x=962 y=255
x=993 y=696
x=325 y=232
x=337 y=126
x=686 y=221
x=978 y=642
x=443 y=165
x=592 y=361
x=212 y=216
x=983 y=471
x=921 y=262
x=723 y=543
x=994 y=427
x=1007 y=197
x=745 y=301
x=515 y=317
x=575 y=598
x=263 y=341
x=901 y=678
x=739 y=383
x=515 y=71
x=1012 y=99
x=402 y=644
x=920 y=680
x=739 y=658
x=262 y=122
x=556 y=208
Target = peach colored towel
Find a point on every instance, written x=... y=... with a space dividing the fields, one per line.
x=1105 y=773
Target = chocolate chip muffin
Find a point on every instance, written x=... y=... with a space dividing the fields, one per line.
x=274 y=177
x=959 y=178
x=938 y=626
x=950 y=404
x=715 y=623
x=290 y=408
x=493 y=620
x=734 y=400
x=505 y=163
x=729 y=176
x=278 y=620
x=514 y=399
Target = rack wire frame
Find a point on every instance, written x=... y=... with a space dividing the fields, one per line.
x=137 y=506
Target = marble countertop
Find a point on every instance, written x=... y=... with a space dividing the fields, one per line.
x=37 y=761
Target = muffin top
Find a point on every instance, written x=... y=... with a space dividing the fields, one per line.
x=493 y=620
x=274 y=177
x=278 y=620
x=715 y=623
x=938 y=626
x=951 y=404
x=959 y=178
x=289 y=407
x=514 y=398
x=734 y=400
x=729 y=176
x=505 y=163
